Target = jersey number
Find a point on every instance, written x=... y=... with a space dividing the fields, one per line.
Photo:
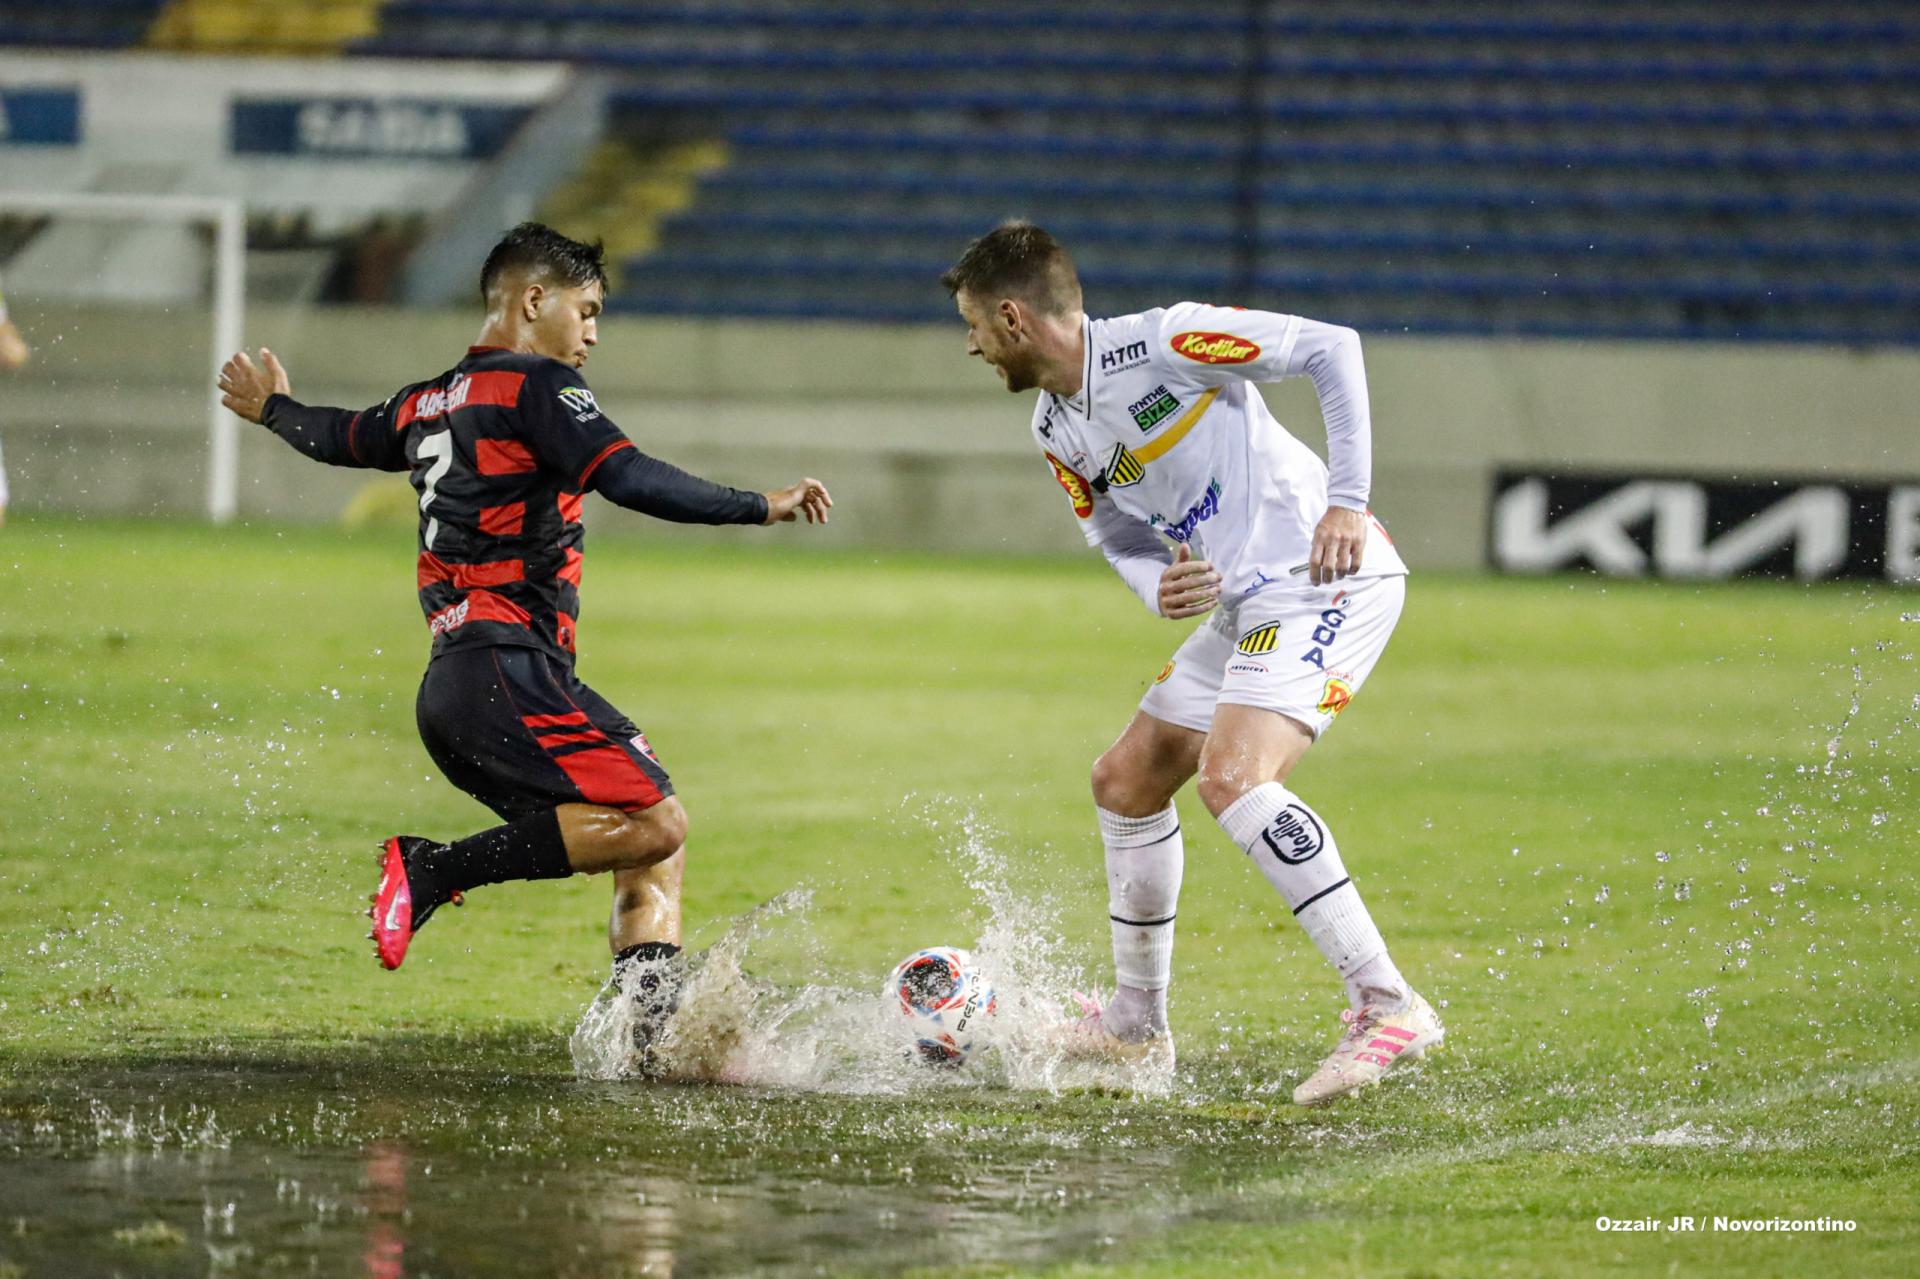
x=438 y=446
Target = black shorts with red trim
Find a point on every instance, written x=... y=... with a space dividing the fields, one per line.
x=513 y=728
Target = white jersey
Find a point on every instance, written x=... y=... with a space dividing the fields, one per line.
x=1169 y=436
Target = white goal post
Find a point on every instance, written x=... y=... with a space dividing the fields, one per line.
x=228 y=218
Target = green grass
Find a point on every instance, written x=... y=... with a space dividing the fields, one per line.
x=1635 y=837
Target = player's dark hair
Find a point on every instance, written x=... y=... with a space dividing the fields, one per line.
x=1017 y=260
x=535 y=249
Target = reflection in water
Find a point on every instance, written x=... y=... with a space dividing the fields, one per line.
x=386 y=1201
x=507 y=1172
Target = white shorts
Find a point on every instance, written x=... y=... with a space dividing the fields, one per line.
x=1302 y=651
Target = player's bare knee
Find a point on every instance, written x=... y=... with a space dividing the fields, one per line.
x=666 y=826
x=1121 y=785
x=1222 y=780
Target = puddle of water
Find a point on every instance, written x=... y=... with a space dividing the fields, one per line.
x=797 y=1133
x=319 y=1166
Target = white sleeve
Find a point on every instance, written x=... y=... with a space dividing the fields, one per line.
x=1206 y=345
x=1131 y=546
x=1213 y=345
x=1330 y=355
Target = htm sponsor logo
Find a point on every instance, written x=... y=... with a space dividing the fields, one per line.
x=1132 y=355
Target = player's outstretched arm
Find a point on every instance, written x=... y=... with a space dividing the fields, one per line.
x=261 y=393
x=245 y=387
x=809 y=497
x=627 y=477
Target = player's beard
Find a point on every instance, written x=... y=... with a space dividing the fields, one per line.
x=1020 y=371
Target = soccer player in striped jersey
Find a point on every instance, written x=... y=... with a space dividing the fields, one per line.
x=1153 y=425
x=503 y=449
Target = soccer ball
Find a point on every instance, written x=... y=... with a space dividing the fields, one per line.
x=943 y=1001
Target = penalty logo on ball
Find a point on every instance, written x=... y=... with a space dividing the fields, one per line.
x=943 y=1001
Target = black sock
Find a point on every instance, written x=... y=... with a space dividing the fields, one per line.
x=645 y=952
x=639 y=970
x=527 y=848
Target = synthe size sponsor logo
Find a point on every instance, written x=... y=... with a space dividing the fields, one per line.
x=1153 y=408
x=1132 y=355
x=1200 y=512
x=1214 y=348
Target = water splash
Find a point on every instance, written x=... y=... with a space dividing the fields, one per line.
x=834 y=1032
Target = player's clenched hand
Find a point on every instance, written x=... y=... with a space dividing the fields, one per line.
x=245 y=387
x=1188 y=587
x=808 y=497
x=1337 y=544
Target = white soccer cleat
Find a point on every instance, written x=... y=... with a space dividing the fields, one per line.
x=1374 y=1042
x=1089 y=1039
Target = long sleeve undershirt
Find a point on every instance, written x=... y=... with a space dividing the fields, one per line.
x=1136 y=552
x=1330 y=355
x=646 y=484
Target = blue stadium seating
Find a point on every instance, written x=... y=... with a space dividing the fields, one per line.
x=1686 y=169
x=75 y=24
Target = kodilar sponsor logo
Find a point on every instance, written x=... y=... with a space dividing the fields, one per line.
x=1215 y=348
x=1153 y=408
x=1075 y=486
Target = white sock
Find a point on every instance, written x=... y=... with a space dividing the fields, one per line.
x=1295 y=851
x=1145 y=858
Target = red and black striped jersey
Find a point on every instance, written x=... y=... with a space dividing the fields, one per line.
x=501 y=449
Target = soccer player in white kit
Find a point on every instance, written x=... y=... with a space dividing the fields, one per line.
x=1155 y=429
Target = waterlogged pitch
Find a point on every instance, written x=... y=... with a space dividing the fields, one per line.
x=1652 y=849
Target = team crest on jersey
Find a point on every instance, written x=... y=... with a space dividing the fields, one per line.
x=1335 y=696
x=1262 y=639
x=1153 y=408
x=579 y=400
x=1214 y=348
x=1075 y=486
x=1123 y=468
